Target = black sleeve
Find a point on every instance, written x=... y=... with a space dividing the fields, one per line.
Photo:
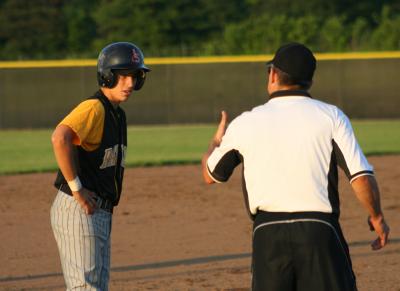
x=225 y=166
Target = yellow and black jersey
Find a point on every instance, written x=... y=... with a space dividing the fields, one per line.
x=101 y=140
x=87 y=121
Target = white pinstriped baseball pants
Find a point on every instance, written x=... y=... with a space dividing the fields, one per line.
x=83 y=242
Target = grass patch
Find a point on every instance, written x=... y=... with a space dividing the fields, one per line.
x=378 y=137
x=24 y=151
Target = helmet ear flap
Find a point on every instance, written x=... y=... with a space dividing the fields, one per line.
x=107 y=79
x=112 y=79
x=140 y=78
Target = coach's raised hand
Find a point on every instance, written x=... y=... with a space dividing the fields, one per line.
x=221 y=129
x=215 y=142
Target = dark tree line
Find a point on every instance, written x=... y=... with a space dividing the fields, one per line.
x=48 y=29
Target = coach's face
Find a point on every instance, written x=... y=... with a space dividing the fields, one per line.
x=123 y=90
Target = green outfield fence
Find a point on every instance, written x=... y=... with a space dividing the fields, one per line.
x=193 y=90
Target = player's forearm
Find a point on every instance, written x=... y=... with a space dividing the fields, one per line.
x=367 y=192
x=64 y=152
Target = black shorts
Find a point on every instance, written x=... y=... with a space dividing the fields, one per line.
x=300 y=251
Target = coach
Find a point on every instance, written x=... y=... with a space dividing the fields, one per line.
x=290 y=148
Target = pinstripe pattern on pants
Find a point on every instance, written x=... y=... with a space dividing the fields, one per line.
x=83 y=242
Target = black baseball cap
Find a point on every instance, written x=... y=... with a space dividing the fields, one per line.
x=296 y=60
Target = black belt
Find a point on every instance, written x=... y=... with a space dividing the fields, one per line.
x=101 y=203
x=104 y=204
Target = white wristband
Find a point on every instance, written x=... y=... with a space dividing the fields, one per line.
x=75 y=185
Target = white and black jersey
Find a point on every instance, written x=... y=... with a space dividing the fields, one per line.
x=290 y=148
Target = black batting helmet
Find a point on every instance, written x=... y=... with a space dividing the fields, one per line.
x=120 y=56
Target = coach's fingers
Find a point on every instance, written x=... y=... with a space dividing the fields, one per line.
x=371 y=227
x=382 y=229
x=221 y=127
x=377 y=244
x=224 y=118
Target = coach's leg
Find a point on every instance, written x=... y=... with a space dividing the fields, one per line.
x=272 y=263
x=322 y=259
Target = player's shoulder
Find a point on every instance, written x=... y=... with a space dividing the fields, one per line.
x=93 y=105
x=92 y=102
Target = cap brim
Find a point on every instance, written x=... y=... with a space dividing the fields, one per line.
x=269 y=63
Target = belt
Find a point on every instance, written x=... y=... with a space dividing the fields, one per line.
x=101 y=203
x=265 y=216
x=104 y=204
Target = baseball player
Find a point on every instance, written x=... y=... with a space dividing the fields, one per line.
x=290 y=148
x=90 y=145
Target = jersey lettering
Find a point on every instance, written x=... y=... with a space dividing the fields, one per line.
x=110 y=157
x=123 y=147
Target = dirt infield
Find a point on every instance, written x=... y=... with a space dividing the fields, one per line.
x=172 y=232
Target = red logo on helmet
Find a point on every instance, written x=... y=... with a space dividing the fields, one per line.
x=135 y=57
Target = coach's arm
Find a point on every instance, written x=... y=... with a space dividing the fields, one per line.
x=367 y=191
x=215 y=142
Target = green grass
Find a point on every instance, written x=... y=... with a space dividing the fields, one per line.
x=378 y=137
x=24 y=151
x=158 y=145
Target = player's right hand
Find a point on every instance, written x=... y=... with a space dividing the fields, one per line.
x=86 y=199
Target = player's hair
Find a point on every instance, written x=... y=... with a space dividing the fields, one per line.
x=287 y=80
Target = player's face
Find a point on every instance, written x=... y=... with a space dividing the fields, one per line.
x=124 y=88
